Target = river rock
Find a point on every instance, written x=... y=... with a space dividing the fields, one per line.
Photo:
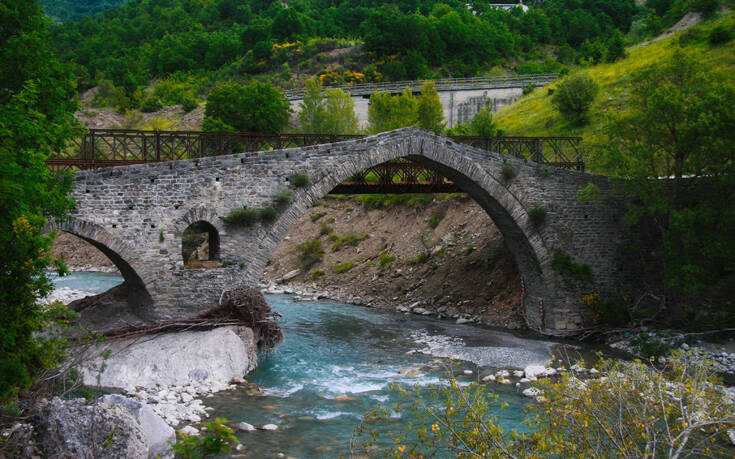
x=288 y=276
x=488 y=378
x=70 y=428
x=531 y=392
x=270 y=427
x=245 y=427
x=535 y=371
x=189 y=430
x=222 y=354
x=157 y=433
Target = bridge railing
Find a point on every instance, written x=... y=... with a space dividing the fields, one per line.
x=117 y=147
x=441 y=84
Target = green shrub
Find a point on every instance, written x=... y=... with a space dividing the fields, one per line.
x=349 y=239
x=590 y=193
x=268 y=214
x=574 y=96
x=385 y=259
x=216 y=441
x=188 y=102
x=310 y=252
x=241 y=217
x=720 y=35
x=316 y=274
x=575 y=275
x=325 y=229
x=344 y=267
x=528 y=89
x=299 y=180
x=538 y=214
x=436 y=217
x=420 y=258
x=283 y=198
x=317 y=215
x=509 y=171
x=151 y=104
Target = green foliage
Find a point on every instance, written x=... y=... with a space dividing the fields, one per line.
x=188 y=102
x=310 y=252
x=630 y=410
x=344 y=267
x=267 y=214
x=37 y=98
x=283 y=197
x=385 y=259
x=218 y=439
x=241 y=217
x=509 y=170
x=325 y=229
x=720 y=35
x=387 y=112
x=317 y=215
x=538 y=214
x=349 y=239
x=576 y=275
x=380 y=201
x=420 y=258
x=257 y=107
x=436 y=218
x=680 y=125
x=299 y=180
x=327 y=112
x=590 y=193
x=482 y=124
x=574 y=96
x=316 y=274
x=151 y=104
x=430 y=114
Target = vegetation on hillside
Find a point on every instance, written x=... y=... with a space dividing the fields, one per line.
x=205 y=43
x=73 y=10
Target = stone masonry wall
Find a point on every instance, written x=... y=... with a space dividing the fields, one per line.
x=140 y=212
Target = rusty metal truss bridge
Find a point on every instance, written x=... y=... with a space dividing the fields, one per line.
x=120 y=147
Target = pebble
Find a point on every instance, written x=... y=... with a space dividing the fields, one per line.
x=467 y=372
x=245 y=427
x=189 y=430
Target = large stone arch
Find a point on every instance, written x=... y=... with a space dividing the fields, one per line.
x=488 y=190
x=119 y=252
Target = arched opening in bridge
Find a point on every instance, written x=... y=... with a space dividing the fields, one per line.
x=414 y=234
x=200 y=246
x=102 y=282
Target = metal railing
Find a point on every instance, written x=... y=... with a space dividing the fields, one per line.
x=441 y=84
x=118 y=147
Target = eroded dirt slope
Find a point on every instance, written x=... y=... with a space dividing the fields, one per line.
x=459 y=268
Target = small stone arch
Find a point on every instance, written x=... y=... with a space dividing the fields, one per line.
x=190 y=250
x=488 y=190
x=119 y=252
x=201 y=220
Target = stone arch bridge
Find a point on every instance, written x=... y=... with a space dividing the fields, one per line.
x=137 y=214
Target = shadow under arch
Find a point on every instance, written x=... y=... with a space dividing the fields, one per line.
x=133 y=290
x=505 y=209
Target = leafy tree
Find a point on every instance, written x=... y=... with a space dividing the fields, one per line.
x=681 y=125
x=388 y=112
x=257 y=107
x=631 y=410
x=483 y=124
x=430 y=112
x=574 y=96
x=327 y=112
x=37 y=95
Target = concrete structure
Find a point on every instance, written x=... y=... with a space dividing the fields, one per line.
x=137 y=215
x=461 y=98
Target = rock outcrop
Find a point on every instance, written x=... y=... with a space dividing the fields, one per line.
x=157 y=433
x=70 y=428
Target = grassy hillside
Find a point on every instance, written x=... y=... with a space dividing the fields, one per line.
x=534 y=115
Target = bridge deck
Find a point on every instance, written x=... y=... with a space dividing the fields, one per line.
x=119 y=147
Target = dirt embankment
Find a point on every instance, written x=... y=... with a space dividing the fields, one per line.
x=450 y=259
x=80 y=255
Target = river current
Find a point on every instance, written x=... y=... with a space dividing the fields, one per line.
x=337 y=361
